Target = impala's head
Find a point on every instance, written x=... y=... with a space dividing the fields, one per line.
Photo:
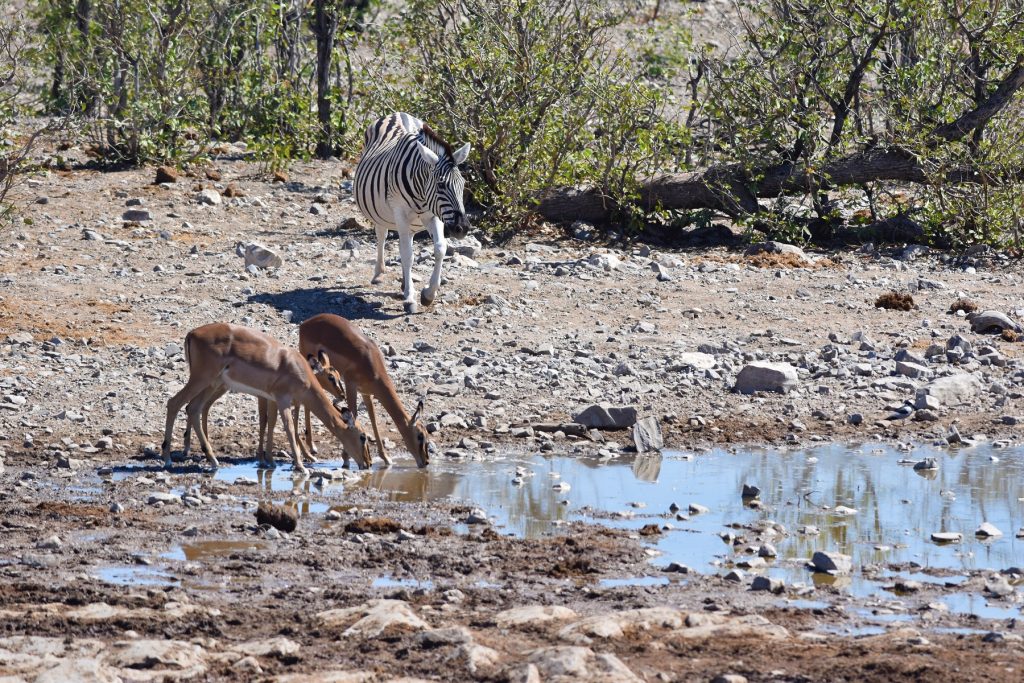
x=342 y=422
x=447 y=183
x=326 y=374
x=416 y=439
x=352 y=438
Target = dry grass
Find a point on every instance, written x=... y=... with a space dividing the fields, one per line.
x=1009 y=335
x=895 y=301
x=965 y=305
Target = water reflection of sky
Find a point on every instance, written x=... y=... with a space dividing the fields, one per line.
x=897 y=508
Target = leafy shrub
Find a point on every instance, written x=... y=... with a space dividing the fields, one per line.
x=818 y=81
x=537 y=86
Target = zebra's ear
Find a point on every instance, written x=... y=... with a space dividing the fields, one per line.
x=461 y=154
x=427 y=154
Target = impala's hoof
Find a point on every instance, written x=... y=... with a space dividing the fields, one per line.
x=409 y=306
x=375 y=280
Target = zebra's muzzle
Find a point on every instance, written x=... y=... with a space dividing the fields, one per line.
x=459 y=227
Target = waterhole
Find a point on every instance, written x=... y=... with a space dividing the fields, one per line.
x=891 y=509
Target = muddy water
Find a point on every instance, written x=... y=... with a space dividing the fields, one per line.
x=897 y=507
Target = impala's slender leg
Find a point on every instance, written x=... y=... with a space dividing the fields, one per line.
x=289 y=430
x=209 y=397
x=368 y=400
x=195 y=386
x=195 y=415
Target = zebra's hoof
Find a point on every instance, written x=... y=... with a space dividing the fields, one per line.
x=426 y=297
x=375 y=280
x=409 y=306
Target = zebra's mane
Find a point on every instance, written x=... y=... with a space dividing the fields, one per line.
x=430 y=135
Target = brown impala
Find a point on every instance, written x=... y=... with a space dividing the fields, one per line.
x=361 y=365
x=222 y=355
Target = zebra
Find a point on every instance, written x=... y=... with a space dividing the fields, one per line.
x=408 y=180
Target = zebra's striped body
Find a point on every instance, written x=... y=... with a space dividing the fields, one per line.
x=408 y=180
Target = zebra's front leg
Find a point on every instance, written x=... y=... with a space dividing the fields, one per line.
x=436 y=229
x=405 y=248
x=382 y=237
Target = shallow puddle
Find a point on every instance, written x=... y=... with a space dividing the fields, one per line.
x=134 y=575
x=891 y=509
x=206 y=550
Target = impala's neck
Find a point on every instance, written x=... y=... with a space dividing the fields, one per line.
x=388 y=398
x=319 y=403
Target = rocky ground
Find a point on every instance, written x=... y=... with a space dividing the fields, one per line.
x=527 y=341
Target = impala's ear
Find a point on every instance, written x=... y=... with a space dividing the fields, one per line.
x=461 y=154
x=427 y=154
x=324 y=360
x=348 y=417
x=419 y=408
x=315 y=364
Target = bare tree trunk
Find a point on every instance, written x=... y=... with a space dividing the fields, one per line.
x=325 y=27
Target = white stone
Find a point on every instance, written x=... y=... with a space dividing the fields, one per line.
x=988 y=530
x=832 y=563
x=948 y=391
x=532 y=615
x=372 y=618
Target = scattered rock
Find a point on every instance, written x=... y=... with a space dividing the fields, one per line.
x=209 y=197
x=765 y=376
x=137 y=216
x=647 y=435
x=832 y=563
x=947 y=537
x=372 y=618
x=281 y=517
x=532 y=616
x=948 y=391
x=258 y=255
x=992 y=322
x=605 y=416
x=988 y=530
x=566 y=664
x=166 y=174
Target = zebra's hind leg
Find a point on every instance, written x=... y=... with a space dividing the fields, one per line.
x=436 y=229
x=382 y=237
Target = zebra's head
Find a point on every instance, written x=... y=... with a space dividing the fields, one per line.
x=448 y=187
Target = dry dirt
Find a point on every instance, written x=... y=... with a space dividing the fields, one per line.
x=84 y=332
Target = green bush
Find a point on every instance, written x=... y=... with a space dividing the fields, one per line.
x=158 y=81
x=537 y=86
x=817 y=81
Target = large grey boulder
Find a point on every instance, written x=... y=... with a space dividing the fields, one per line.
x=605 y=416
x=948 y=391
x=765 y=376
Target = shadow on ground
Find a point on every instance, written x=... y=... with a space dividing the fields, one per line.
x=305 y=303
